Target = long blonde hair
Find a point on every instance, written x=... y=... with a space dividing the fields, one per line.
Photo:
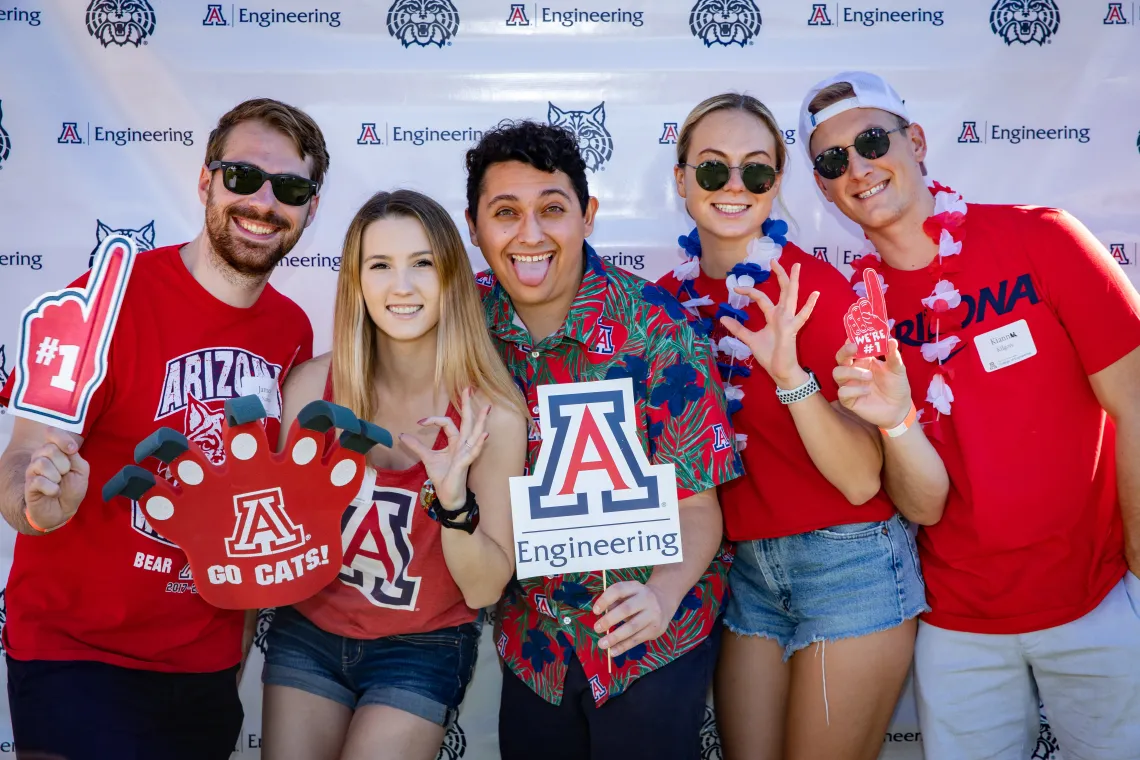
x=464 y=354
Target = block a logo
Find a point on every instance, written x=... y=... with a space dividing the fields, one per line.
x=819 y=15
x=69 y=133
x=423 y=22
x=969 y=132
x=668 y=134
x=368 y=134
x=594 y=141
x=725 y=22
x=263 y=527
x=5 y=141
x=1115 y=14
x=214 y=16
x=820 y=252
x=1025 y=21
x=1118 y=252
x=120 y=22
x=518 y=15
x=378 y=550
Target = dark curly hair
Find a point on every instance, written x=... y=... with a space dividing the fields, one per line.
x=542 y=146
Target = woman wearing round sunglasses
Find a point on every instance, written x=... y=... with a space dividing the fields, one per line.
x=377 y=663
x=825 y=586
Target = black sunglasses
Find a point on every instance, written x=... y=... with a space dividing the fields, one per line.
x=245 y=179
x=713 y=175
x=871 y=144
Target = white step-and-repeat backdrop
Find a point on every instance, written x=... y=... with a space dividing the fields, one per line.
x=105 y=108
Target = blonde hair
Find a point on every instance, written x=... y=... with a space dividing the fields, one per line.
x=730 y=101
x=734 y=101
x=464 y=355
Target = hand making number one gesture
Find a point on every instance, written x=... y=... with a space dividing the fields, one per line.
x=774 y=345
x=447 y=467
x=877 y=390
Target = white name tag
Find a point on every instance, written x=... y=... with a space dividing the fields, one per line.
x=1006 y=345
x=266 y=389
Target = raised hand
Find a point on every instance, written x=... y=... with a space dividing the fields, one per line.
x=876 y=390
x=447 y=467
x=55 y=481
x=774 y=345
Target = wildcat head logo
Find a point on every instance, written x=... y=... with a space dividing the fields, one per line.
x=3 y=616
x=589 y=127
x=423 y=22
x=261 y=633
x=454 y=743
x=1025 y=21
x=5 y=141
x=710 y=739
x=204 y=427
x=143 y=237
x=725 y=22
x=3 y=372
x=120 y=21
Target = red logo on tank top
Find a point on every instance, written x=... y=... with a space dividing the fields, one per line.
x=377 y=539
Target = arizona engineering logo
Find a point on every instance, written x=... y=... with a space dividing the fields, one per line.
x=215 y=16
x=725 y=22
x=5 y=141
x=423 y=22
x=72 y=133
x=143 y=237
x=670 y=132
x=372 y=134
x=377 y=538
x=1117 y=16
x=120 y=22
x=972 y=133
x=871 y=16
x=1025 y=21
x=594 y=141
x=551 y=16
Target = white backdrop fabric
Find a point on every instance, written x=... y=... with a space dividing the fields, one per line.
x=105 y=108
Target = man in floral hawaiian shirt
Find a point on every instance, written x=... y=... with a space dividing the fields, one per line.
x=560 y=314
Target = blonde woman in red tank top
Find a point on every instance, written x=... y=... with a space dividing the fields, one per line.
x=376 y=664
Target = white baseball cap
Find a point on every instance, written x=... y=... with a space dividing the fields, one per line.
x=871 y=91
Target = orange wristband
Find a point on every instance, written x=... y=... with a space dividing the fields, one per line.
x=903 y=426
x=28 y=517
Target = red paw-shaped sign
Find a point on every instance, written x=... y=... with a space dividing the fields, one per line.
x=65 y=337
x=866 y=320
x=263 y=529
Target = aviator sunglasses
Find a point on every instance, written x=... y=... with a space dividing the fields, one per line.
x=713 y=175
x=871 y=144
x=245 y=179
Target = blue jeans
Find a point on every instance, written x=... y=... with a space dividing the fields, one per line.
x=425 y=674
x=834 y=583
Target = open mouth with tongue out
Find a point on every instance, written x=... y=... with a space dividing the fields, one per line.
x=531 y=269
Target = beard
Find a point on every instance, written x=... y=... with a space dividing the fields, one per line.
x=240 y=255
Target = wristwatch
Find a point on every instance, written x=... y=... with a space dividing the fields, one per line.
x=799 y=393
x=903 y=426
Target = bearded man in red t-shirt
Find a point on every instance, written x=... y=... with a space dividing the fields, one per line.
x=110 y=650
x=1020 y=335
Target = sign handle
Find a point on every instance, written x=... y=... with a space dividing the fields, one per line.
x=609 y=657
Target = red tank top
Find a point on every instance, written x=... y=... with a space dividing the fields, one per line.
x=393 y=578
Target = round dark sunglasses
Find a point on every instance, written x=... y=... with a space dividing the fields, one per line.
x=245 y=179
x=713 y=175
x=871 y=144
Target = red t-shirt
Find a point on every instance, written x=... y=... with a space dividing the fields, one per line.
x=1032 y=536
x=394 y=578
x=107 y=587
x=782 y=492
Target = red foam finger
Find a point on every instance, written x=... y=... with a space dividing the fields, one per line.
x=875 y=293
x=65 y=340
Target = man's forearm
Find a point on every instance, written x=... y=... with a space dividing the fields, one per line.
x=701 y=531
x=1128 y=484
x=13 y=467
x=915 y=477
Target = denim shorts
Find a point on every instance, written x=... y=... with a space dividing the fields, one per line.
x=425 y=674
x=834 y=583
